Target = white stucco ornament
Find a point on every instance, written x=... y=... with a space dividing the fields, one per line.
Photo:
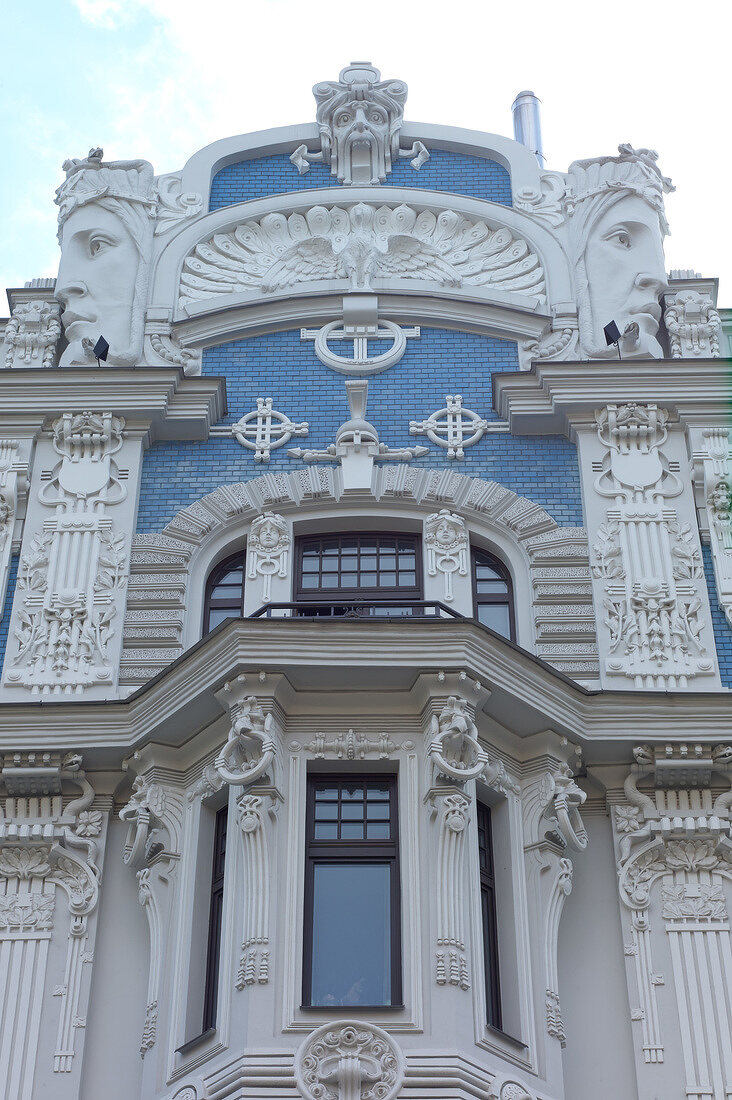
x=360 y=325
x=361 y=243
x=349 y=1060
x=264 y=429
x=267 y=550
x=250 y=748
x=105 y=229
x=616 y=225
x=359 y=118
x=31 y=334
x=453 y=427
x=446 y=539
x=454 y=748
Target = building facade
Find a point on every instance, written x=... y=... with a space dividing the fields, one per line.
x=365 y=716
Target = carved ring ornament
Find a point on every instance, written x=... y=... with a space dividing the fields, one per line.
x=250 y=749
x=454 y=747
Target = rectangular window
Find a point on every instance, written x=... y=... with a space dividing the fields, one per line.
x=373 y=564
x=213 y=953
x=352 y=897
x=488 y=913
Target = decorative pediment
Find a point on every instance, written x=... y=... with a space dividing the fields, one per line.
x=359 y=244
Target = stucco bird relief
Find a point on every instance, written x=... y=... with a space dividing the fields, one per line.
x=360 y=244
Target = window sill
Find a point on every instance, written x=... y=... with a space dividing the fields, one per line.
x=351 y=1008
x=506 y=1037
x=197 y=1041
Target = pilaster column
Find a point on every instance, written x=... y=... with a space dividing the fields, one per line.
x=653 y=617
x=674 y=848
x=44 y=846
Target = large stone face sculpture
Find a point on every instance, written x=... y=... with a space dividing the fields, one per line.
x=616 y=228
x=106 y=220
x=359 y=118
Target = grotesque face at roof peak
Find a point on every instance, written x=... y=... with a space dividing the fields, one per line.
x=359 y=119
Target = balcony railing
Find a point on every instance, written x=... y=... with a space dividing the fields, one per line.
x=358 y=609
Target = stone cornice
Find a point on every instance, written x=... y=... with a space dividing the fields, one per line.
x=162 y=398
x=527 y=695
x=232 y=316
x=553 y=398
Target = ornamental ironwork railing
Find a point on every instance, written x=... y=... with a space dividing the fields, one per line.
x=357 y=609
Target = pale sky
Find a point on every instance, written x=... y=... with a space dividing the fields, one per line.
x=159 y=79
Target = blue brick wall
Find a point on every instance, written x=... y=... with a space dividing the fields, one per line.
x=457 y=173
x=722 y=629
x=283 y=367
x=4 y=625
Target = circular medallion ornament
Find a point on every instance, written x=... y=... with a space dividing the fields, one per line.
x=349 y=1055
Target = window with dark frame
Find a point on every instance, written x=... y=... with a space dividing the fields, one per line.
x=371 y=564
x=493 y=594
x=488 y=914
x=224 y=592
x=213 y=952
x=352 y=881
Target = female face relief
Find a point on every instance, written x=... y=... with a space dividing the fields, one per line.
x=96 y=282
x=626 y=271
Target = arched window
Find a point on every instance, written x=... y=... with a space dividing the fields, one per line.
x=493 y=594
x=224 y=592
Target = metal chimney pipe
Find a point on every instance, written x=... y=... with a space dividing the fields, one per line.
x=527 y=123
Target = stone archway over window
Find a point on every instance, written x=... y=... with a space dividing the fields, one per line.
x=169 y=568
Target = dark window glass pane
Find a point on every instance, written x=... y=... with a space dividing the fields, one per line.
x=217 y=615
x=378 y=811
x=352 y=791
x=326 y=793
x=378 y=793
x=326 y=811
x=492 y=588
x=377 y=830
x=351 y=830
x=352 y=811
x=408 y=580
x=388 y=580
x=496 y=616
x=234 y=576
x=226 y=592
x=348 y=969
x=326 y=831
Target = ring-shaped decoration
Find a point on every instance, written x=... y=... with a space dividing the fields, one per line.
x=360 y=365
x=453 y=771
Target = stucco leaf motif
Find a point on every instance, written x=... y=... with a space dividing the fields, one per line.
x=627 y=819
x=89 y=823
x=691 y=855
x=641 y=873
x=24 y=863
x=360 y=243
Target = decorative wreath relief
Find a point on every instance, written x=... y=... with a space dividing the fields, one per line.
x=349 y=1058
x=453 y=427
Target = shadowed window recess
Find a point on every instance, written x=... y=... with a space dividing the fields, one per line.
x=224 y=592
x=493 y=594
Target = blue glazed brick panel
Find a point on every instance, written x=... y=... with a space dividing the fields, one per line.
x=722 y=629
x=456 y=173
x=4 y=625
x=281 y=366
